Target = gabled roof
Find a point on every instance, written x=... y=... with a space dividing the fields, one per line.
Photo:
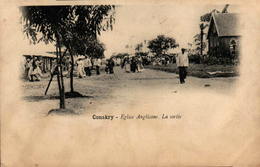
x=226 y=24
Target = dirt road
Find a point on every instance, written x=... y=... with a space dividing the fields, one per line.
x=122 y=87
x=206 y=129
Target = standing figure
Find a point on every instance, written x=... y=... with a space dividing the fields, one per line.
x=127 y=64
x=133 y=64
x=97 y=64
x=107 y=66
x=122 y=62
x=87 y=65
x=111 y=65
x=34 y=70
x=69 y=68
x=140 y=66
x=182 y=62
x=27 y=66
x=80 y=68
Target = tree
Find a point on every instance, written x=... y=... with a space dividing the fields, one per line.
x=65 y=25
x=95 y=49
x=81 y=34
x=202 y=44
x=47 y=21
x=78 y=46
x=198 y=38
x=138 y=47
x=161 y=44
x=120 y=55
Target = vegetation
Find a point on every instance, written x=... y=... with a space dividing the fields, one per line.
x=201 y=70
x=161 y=44
x=73 y=27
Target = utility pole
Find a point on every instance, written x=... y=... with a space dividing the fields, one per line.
x=201 y=39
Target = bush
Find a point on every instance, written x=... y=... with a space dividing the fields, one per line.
x=211 y=60
x=195 y=58
x=221 y=56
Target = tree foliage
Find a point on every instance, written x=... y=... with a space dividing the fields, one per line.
x=70 y=26
x=161 y=44
x=138 y=47
x=120 y=55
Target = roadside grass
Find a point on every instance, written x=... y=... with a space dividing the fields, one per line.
x=201 y=70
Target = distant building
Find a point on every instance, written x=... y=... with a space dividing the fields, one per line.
x=223 y=35
x=47 y=59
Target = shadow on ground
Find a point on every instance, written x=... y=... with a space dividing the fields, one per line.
x=52 y=97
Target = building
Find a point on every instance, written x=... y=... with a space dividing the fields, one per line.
x=46 y=58
x=223 y=35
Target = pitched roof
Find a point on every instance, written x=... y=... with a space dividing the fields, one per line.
x=226 y=24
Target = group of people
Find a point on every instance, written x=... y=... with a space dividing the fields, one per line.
x=129 y=64
x=110 y=64
x=33 y=71
x=161 y=61
x=133 y=64
x=86 y=64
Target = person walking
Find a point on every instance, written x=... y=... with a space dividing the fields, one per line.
x=111 y=66
x=182 y=62
x=80 y=68
x=34 y=70
x=87 y=65
x=140 y=66
x=127 y=64
x=97 y=64
x=133 y=65
x=27 y=66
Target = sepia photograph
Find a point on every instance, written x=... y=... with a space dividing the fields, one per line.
x=87 y=53
x=165 y=84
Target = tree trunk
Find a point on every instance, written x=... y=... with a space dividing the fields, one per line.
x=62 y=105
x=201 y=44
x=71 y=72
x=59 y=75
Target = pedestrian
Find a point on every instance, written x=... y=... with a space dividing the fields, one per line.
x=127 y=64
x=80 y=68
x=69 y=68
x=97 y=64
x=133 y=64
x=111 y=66
x=34 y=70
x=182 y=62
x=27 y=66
x=107 y=66
x=87 y=65
x=122 y=62
x=140 y=66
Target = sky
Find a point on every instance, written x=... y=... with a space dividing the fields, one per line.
x=136 y=23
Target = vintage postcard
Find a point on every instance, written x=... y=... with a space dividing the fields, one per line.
x=130 y=83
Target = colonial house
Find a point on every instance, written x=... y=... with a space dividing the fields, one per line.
x=223 y=35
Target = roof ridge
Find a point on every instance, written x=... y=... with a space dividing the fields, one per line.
x=225 y=23
x=215 y=23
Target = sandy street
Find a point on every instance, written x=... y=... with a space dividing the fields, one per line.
x=122 y=88
x=201 y=127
